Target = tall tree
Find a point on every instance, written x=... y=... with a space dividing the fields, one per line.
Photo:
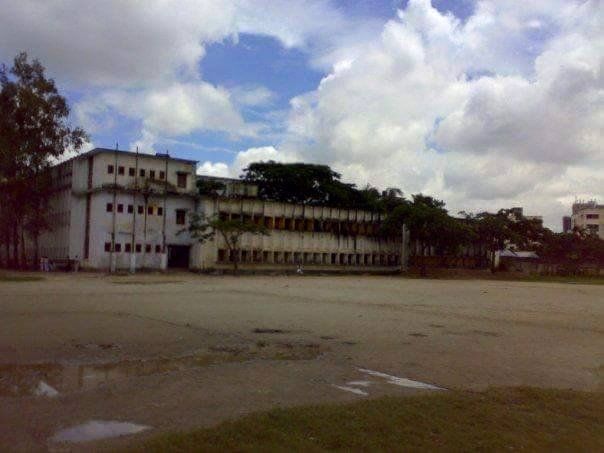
x=34 y=129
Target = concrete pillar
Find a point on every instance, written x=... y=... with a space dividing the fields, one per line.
x=132 y=263
x=113 y=262
x=163 y=261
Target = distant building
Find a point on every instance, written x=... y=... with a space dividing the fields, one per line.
x=588 y=216
x=566 y=224
x=114 y=209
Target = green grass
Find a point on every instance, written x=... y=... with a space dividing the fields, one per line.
x=20 y=278
x=497 y=420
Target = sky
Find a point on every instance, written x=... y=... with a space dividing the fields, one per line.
x=485 y=104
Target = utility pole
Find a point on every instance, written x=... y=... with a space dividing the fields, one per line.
x=112 y=256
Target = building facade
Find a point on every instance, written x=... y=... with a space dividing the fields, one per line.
x=119 y=210
x=588 y=216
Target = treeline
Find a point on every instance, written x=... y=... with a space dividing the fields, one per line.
x=430 y=225
x=33 y=130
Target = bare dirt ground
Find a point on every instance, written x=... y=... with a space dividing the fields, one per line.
x=179 y=351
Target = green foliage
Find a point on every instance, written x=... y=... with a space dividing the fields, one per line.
x=209 y=187
x=315 y=185
x=34 y=130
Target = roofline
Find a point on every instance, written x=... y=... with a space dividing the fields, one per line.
x=95 y=151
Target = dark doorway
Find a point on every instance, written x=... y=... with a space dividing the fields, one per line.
x=178 y=256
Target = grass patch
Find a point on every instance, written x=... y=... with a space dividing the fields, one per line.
x=503 y=419
x=20 y=278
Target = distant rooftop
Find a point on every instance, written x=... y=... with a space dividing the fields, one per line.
x=161 y=156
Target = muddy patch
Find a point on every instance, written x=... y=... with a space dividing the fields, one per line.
x=270 y=331
x=436 y=326
x=481 y=333
x=37 y=379
x=418 y=334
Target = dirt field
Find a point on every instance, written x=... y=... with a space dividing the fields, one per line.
x=178 y=351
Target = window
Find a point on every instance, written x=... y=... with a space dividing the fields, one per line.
x=120 y=208
x=127 y=247
x=181 y=180
x=110 y=169
x=109 y=207
x=150 y=210
x=130 y=209
x=180 y=216
x=141 y=209
x=141 y=172
x=158 y=248
x=160 y=211
x=132 y=171
x=593 y=216
x=162 y=175
x=120 y=170
x=148 y=248
x=118 y=247
x=138 y=248
x=152 y=174
x=107 y=246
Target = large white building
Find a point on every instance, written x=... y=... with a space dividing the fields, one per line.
x=588 y=216
x=115 y=210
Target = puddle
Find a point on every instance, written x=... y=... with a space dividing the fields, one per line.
x=43 y=389
x=351 y=390
x=403 y=382
x=44 y=379
x=359 y=383
x=95 y=430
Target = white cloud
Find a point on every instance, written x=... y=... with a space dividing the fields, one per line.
x=410 y=108
x=213 y=169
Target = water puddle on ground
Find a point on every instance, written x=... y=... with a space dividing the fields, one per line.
x=95 y=430
x=53 y=379
x=402 y=382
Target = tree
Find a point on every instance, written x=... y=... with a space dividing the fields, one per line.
x=293 y=183
x=429 y=226
x=210 y=188
x=34 y=129
x=205 y=229
x=495 y=231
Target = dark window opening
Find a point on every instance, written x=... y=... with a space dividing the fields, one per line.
x=130 y=209
x=152 y=174
x=120 y=208
x=150 y=210
x=132 y=171
x=109 y=207
x=148 y=248
x=107 y=246
x=180 y=216
x=181 y=180
x=138 y=248
x=158 y=248
x=162 y=175
x=127 y=247
x=110 y=169
x=118 y=247
x=160 y=211
x=120 y=170
x=141 y=209
x=141 y=172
